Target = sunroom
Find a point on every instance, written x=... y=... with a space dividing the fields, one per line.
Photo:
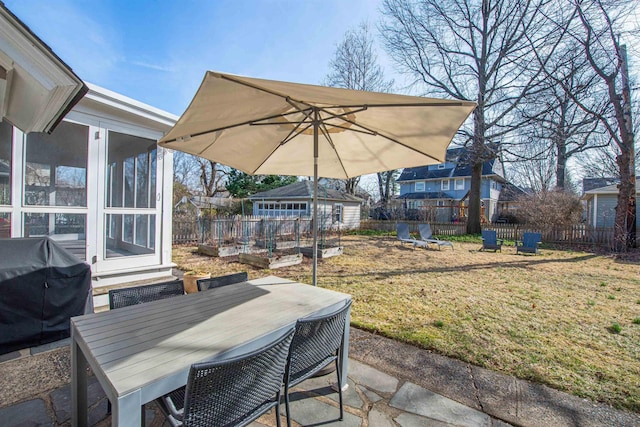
x=98 y=184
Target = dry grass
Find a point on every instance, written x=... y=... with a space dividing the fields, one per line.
x=548 y=318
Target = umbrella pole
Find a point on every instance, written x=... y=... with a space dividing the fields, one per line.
x=315 y=197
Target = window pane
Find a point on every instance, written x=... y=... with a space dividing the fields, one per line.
x=142 y=181
x=56 y=167
x=141 y=230
x=129 y=189
x=129 y=235
x=5 y=224
x=6 y=137
x=152 y=181
x=127 y=229
x=131 y=171
x=66 y=229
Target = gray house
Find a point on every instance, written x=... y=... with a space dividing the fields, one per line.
x=444 y=187
x=296 y=200
x=601 y=204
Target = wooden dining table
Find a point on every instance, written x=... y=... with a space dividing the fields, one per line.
x=141 y=352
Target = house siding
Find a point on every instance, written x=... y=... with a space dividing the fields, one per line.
x=351 y=216
x=350 y=212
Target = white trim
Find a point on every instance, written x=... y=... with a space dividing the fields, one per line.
x=442 y=186
x=456 y=181
x=37 y=74
x=424 y=186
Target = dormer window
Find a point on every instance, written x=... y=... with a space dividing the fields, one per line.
x=441 y=166
x=419 y=186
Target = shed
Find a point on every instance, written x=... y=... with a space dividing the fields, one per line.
x=601 y=205
x=296 y=200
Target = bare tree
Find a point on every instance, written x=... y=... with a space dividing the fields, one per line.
x=470 y=50
x=355 y=66
x=199 y=175
x=558 y=128
x=596 y=26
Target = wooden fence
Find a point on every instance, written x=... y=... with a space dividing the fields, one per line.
x=226 y=230
x=579 y=234
x=229 y=230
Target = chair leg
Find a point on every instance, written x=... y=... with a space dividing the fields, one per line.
x=286 y=404
x=278 y=410
x=339 y=390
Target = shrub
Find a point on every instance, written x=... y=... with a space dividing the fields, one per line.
x=549 y=209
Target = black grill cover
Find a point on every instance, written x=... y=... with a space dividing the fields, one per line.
x=42 y=285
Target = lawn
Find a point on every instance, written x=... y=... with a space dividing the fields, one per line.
x=564 y=318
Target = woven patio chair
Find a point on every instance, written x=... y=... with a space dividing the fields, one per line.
x=140 y=294
x=216 y=282
x=317 y=343
x=232 y=391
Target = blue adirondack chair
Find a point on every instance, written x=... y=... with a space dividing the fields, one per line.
x=529 y=243
x=490 y=242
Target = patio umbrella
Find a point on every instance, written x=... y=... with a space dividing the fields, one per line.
x=265 y=127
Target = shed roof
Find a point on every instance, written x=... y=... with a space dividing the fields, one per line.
x=304 y=190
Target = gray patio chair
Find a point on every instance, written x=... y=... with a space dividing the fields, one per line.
x=426 y=236
x=529 y=243
x=216 y=282
x=231 y=391
x=402 y=230
x=317 y=343
x=140 y=294
x=490 y=242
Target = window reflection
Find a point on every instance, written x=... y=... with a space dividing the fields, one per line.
x=6 y=137
x=56 y=167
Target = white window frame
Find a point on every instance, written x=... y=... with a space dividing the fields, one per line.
x=422 y=184
x=441 y=166
x=459 y=184
x=338 y=211
x=444 y=186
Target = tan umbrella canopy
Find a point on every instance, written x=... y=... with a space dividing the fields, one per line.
x=265 y=127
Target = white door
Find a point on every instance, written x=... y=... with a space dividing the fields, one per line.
x=131 y=213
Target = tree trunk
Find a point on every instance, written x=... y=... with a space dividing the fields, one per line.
x=473 y=220
x=561 y=164
x=477 y=159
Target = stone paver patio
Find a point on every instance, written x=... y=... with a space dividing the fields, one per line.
x=390 y=384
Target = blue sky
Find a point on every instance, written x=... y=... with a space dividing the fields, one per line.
x=157 y=51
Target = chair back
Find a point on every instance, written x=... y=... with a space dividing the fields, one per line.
x=315 y=344
x=425 y=231
x=140 y=294
x=402 y=229
x=531 y=240
x=237 y=390
x=489 y=237
x=216 y=282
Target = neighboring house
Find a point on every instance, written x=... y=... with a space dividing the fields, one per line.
x=296 y=200
x=445 y=187
x=601 y=204
x=508 y=202
x=96 y=181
